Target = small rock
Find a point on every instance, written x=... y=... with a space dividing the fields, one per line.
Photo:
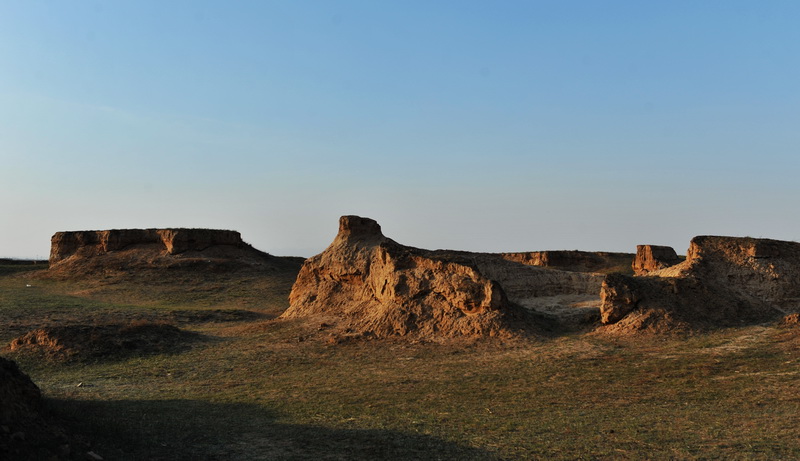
x=18 y=436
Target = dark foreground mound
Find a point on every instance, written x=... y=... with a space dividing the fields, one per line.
x=724 y=281
x=26 y=433
x=111 y=341
x=367 y=284
x=124 y=251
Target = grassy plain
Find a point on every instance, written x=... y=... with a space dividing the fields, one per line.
x=261 y=388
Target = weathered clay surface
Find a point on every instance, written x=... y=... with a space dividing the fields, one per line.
x=690 y=299
x=118 y=252
x=174 y=241
x=381 y=288
x=766 y=269
x=650 y=258
x=723 y=281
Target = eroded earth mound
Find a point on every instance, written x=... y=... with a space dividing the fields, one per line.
x=109 y=341
x=369 y=284
x=121 y=251
x=724 y=281
x=650 y=258
x=174 y=241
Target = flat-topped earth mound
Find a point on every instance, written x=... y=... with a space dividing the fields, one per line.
x=123 y=252
x=160 y=268
x=104 y=342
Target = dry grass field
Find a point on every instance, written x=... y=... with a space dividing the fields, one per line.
x=249 y=386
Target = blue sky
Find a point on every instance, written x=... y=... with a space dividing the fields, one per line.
x=488 y=126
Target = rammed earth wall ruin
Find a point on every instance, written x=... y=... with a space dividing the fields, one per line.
x=723 y=281
x=175 y=241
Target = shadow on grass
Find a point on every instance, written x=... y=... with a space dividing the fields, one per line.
x=199 y=430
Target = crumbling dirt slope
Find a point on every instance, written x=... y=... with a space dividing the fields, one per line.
x=764 y=268
x=371 y=285
x=666 y=304
x=377 y=287
x=723 y=281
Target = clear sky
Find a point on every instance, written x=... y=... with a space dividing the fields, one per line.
x=475 y=125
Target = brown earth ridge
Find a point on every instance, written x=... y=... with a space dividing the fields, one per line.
x=368 y=284
x=174 y=241
x=724 y=281
x=372 y=285
x=125 y=251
